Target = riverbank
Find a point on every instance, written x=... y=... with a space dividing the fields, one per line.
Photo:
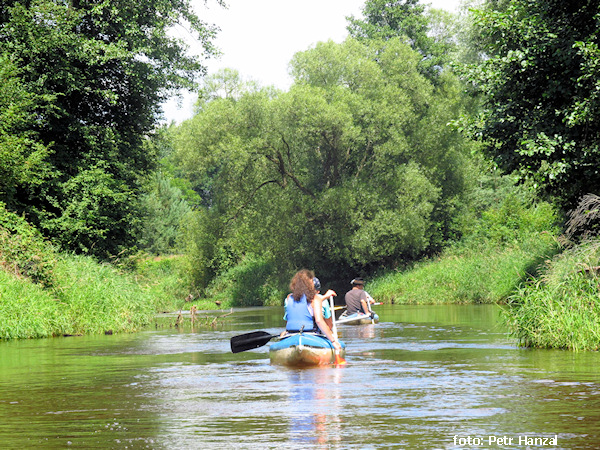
x=549 y=294
x=550 y=297
x=85 y=298
x=488 y=272
x=560 y=309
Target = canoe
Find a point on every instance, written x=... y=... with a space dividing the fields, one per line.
x=304 y=350
x=357 y=319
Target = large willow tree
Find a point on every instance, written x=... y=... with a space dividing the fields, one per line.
x=352 y=168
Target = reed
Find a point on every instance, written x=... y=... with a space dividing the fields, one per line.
x=562 y=308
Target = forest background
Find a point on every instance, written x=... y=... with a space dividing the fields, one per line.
x=444 y=157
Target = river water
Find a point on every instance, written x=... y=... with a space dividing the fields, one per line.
x=425 y=377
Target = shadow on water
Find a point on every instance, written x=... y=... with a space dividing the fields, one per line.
x=424 y=378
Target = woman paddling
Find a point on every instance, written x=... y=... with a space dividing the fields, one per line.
x=304 y=307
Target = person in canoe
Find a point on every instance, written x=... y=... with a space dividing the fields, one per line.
x=357 y=299
x=304 y=307
x=325 y=303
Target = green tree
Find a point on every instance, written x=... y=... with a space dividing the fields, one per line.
x=353 y=167
x=22 y=156
x=430 y=32
x=165 y=208
x=540 y=87
x=108 y=66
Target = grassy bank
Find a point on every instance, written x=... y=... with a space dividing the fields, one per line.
x=46 y=293
x=499 y=251
x=547 y=301
x=561 y=309
x=85 y=298
x=481 y=274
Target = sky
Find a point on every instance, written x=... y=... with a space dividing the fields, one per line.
x=258 y=38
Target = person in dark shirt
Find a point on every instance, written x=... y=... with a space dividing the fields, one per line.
x=357 y=300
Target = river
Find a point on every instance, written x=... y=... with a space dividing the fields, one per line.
x=425 y=377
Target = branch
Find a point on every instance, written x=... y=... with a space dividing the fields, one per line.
x=279 y=162
x=249 y=199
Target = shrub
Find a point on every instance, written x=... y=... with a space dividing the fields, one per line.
x=250 y=283
x=23 y=250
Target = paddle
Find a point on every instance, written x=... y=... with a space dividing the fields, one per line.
x=339 y=360
x=249 y=341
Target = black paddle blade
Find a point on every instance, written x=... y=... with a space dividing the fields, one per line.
x=249 y=341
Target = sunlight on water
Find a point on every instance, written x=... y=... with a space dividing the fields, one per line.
x=425 y=377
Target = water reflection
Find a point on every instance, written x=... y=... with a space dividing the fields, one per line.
x=315 y=397
x=415 y=380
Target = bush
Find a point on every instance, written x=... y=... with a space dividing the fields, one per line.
x=250 y=283
x=23 y=250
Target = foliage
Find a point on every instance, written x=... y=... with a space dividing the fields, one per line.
x=99 y=217
x=165 y=208
x=206 y=252
x=96 y=74
x=562 y=309
x=513 y=219
x=540 y=88
x=23 y=250
x=251 y=282
x=384 y=19
x=428 y=32
x=354 y=167
x=507 y=248
x=22 y=156
x=164 y=279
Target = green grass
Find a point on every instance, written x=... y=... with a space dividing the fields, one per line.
x=252 y=282
x=97 y=298
x=87 y=297
x=164 y=280
x=26 y=309
x=486 y=273
x=562 y=308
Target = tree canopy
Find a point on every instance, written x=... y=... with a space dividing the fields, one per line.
x=540 y=85
x=353 y=167
x=429 y=32
x=95 y=74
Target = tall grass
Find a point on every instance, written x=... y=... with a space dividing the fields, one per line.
x=164 y=279
x=86 y=298
x=26 y=309
x=98 y=298
x=562 y=308
x=485 y=274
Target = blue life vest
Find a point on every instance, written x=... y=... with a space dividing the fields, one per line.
x=298 y=315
